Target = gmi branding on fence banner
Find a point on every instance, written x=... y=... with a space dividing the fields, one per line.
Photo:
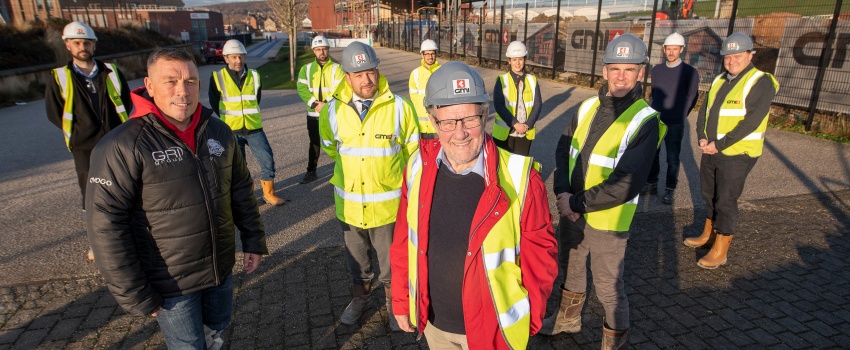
x=579 y=55
x=799 y=59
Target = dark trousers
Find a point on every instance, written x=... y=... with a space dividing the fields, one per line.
x=315 y=146
x=82 y=159
x=515 y=145
x=722 y=180
x=673 y=143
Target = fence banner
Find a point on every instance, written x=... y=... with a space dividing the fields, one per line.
x=799 y=58
x=579 y=56
x=465 y=42
x=703 y=38
x=540 y=43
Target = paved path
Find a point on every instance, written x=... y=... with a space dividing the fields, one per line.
x=786 y=285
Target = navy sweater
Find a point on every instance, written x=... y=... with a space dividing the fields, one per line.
x=674 y=92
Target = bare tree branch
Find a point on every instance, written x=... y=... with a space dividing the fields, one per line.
x=289 y=14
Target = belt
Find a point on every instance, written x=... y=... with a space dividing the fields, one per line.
x=428 y=136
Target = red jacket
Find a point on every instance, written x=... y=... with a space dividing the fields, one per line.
x=538 y=251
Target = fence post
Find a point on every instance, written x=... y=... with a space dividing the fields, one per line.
x=501 y=29
x=439 y=30
x=480 y=33
x=824 y=61
x=732 y=18
x=595 y=44
x=557 y=34
x=525 y=36
x=649 y=48
x=464 y=34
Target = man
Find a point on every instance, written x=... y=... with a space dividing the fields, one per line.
x=730 y=131
x=675 y=88
x=603 y=159
x=517 y=100
x=171 y=184
x=316 y=83
x=369 y=133
x=473 y=219
x=235 y=92
x=89 y=99
x=417 y=83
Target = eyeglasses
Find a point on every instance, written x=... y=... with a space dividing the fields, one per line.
x=469 y=122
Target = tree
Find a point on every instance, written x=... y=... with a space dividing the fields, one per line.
x=289 y=14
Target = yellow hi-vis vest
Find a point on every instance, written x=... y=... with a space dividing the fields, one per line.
x=66 y=88
x=309 y=77
x=239 y=107
x=500 y=248
x=733 y=110
x=607 y=153
x=501 y=130
x=369 y=155
x=417 y=83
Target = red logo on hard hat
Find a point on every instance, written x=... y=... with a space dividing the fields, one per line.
x=461 y=86
x=623 y=51
x=360 y=59
x=80 y=31
x=732 y=46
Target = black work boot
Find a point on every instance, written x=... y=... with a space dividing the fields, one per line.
x=309 y=177
x=668 y=196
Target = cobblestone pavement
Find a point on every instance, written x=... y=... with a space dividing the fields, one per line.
x=787 y=286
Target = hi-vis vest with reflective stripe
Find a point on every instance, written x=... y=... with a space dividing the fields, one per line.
x=607 y=153
x=733 y=110
x=370 y=155
x=501 y=130
x=500 y=248
x=418 y=81
x=330 y=75
x=66 y=88
x=238 y=107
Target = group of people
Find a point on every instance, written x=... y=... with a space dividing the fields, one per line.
x=458 y=219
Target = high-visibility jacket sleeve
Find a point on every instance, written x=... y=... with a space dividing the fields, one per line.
x=302 y=87
x=398 y=258
x=411 y=84
x=538 y=249
x=410 y=130
x=326 y=135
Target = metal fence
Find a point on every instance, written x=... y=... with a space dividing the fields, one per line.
x=804 y=43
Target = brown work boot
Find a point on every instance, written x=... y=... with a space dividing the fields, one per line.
x=613 y=339
x=706 y=239
x=393 y=322
x=717 y=255
x=90 y=255
x=359 y=303
x=268 y=193
x=568 y=317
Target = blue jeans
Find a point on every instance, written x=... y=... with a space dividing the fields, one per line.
x=262 y=152
x=197 y=320
x=673 y=143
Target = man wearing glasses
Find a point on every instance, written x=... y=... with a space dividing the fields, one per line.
x=474 y=255
x=417 y=82
x=369 y=133
x=89 y=99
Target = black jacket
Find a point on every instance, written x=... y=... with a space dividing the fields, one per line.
x=90 y=122
x=161 y=219
x=629 y=175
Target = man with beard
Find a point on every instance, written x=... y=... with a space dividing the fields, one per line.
x=603 y=159
x=417 y=82
x=89 y=99
x=172 y=189
x=369 y=133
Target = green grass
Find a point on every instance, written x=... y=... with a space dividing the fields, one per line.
x=275 y=74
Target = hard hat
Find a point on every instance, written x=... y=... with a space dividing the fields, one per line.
x=455 y=83
x=233 y=47
x=358 y=57
x=736 y=43
x=675 y=39
x=625 y=48
x=428 y=45
x=516 y=49
x=319 y=41
x=78 y=30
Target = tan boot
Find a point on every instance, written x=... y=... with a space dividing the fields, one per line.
x=613 y=339
x=90 y=255
x=359 y=303
x=706 y=239
x=717 y=255
x=393 y=322
x=568 y=317
x=268 y=193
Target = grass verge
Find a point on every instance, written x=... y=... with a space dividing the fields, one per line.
x=275 y=74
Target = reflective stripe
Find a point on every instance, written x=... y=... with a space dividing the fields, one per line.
x=120 y=109
x=492 y=261
x=303 y=81
x=515 y=165
x=239 y=98
x=732 y=112
x=240 y=113
x=369 y=151
x=634 y=126
x=573 y=152
x=751 y=137
x=312 y=114
x=415 y=167
x=584 y=110
x=334 y=123
x=310 y=102
x=327 y=143
x=367 y=198
x=603 y=161
x=412 y=237
x=517 y=311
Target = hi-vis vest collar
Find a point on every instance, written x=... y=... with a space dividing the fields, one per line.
x=66 y=89
x=500 y=249
x=509 y=91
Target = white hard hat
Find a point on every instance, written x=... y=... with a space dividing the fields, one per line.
x=626 y=48
x=233 y=47
x=319 y=41
x=675 y=39
x=78 y=30
x=428 y=45
x=516 y=49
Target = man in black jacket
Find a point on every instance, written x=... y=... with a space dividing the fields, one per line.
x=88 y=99
x=168 y=186
x=603 y=160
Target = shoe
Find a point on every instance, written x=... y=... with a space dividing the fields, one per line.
x=717 y=255
x=668 y=196
x=649 y=188
x=706 y=239
x=568 y=317
x=268 y=193
x=90 y=255
x=613 y=339
x=309 y=177
x=359 y=303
